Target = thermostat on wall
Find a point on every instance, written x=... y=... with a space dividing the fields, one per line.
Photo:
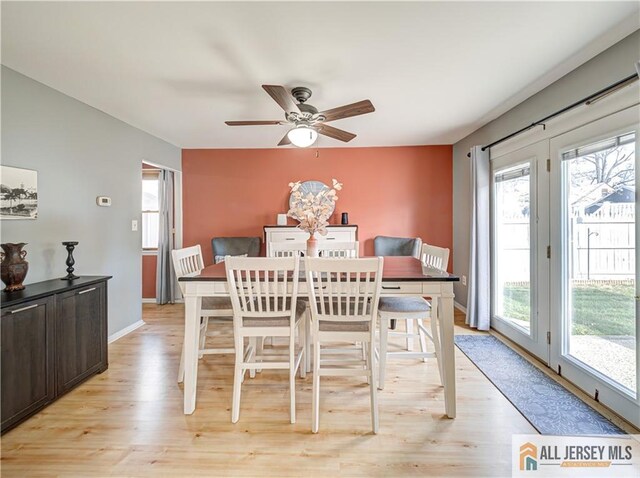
x=103 y=201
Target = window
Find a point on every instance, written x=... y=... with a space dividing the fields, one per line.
x=599 y=263
x=150 y=210
x=512 y=220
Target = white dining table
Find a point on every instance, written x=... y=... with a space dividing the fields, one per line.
x=402 y=276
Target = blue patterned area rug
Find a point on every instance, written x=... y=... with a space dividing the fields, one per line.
x=547 y=405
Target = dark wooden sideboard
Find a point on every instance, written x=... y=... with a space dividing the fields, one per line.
x=53 y=336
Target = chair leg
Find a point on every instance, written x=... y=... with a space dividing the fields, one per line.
x=304 y=339
x=292 y=376
x=423 y=339
x=259 y=350
x=181 y=367
x=436 y=343
x=409 y=329
x=307 y=333
x=252 y=356
x=373 y=388
x=315 y=399
x=367 y=363
x=203 y=334
x=384 y=335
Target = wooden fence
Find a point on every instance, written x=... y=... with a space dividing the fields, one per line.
x=601 y=244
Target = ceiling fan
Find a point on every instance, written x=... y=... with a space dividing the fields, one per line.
x=307 y=122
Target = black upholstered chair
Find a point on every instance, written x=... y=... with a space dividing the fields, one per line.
x=234 y=246
x=397 y=246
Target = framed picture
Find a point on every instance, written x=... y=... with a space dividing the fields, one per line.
x=18 y=193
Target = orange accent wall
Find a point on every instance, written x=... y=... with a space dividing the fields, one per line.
x=149 y=264
x=393 y=191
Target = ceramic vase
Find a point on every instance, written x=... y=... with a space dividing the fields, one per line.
x=312 y=246
x=13 y=267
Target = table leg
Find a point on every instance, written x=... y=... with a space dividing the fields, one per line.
x=193 y=310
x=448 y=352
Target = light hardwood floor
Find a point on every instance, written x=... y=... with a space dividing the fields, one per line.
x=129 y=422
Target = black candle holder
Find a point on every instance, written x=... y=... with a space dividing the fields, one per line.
x=70 y=245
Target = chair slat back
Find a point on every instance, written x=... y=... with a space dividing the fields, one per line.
x=286 y=249
x=263 y=286
x=344 y=290
x=339 y=249
x=435 y=257
x=187 y=262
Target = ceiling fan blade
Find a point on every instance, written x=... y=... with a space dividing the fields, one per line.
x=336 y=133
x=346 y=111
x=253 y=123
x=282 y=97
x=285 y=140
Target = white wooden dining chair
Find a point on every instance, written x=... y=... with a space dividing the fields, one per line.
x=339 y=249
x=434 y=256
x=188 y=262
x=264 y=295
x=412 y=309
x=287 y=249
x=344 y=295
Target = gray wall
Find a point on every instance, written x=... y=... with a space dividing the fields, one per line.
x=606 y=68
x=79 y=153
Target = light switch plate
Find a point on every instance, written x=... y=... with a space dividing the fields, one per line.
x=134 y=225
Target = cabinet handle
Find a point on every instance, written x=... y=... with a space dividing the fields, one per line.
x=388 y=287
x=289 y=238
x=24 y=308
x=85 y=291
x=331 y=239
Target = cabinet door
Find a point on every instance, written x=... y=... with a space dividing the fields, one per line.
x=81 y=348
x=28 y=379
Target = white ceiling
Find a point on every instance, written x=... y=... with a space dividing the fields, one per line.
x=434 y=71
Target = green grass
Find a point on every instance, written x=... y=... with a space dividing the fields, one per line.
x=516 y=302
x=597 y=309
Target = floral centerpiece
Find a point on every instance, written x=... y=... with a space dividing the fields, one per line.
x=313 y=211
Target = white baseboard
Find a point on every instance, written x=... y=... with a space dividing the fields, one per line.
x=460 y=307
x=125 y=331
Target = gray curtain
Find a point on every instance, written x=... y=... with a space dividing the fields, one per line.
x=165 y=277
x=479 y=298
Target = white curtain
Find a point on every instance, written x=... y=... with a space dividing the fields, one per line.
x=479 y=298
x=165 y=277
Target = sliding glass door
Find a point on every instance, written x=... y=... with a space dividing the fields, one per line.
x=520 y=237
x=594 y=279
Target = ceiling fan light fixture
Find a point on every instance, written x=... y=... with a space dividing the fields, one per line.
x=302 y=136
